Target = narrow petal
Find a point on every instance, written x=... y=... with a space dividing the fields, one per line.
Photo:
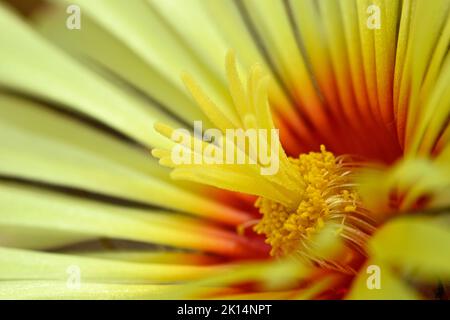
x=37 y=209
x=42 y=146
x=69 y=83
x=31 y=265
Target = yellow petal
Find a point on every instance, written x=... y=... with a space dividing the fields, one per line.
x=144 y=256
x=391 y=286
x=136 y=23
x=101 y=49
x=42 y=146
x=71 y=84
x=31 y=265
x=415 y=245
x=25 y=207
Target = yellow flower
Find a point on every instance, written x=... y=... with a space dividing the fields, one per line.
x=352 y=201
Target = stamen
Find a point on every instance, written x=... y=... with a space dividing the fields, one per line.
x=329 y=196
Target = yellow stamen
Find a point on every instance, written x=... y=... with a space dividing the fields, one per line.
x=287 y=228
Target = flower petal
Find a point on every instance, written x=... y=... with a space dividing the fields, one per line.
x=42 y=146
x=71 y=84
x=417 y=245
x=31 y=265
x=37 y=209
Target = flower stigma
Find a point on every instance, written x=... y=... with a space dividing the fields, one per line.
x=329 y=194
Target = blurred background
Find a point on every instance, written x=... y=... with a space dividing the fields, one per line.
x=25 y=7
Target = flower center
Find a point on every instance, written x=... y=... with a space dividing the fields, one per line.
x=328 y=194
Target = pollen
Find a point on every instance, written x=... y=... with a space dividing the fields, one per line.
x=325 y=194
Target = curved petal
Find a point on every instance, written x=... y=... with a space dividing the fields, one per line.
x=36 y=209
x=42 y=146
x=31 y=265
x=66 y=81
x=45 y=290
